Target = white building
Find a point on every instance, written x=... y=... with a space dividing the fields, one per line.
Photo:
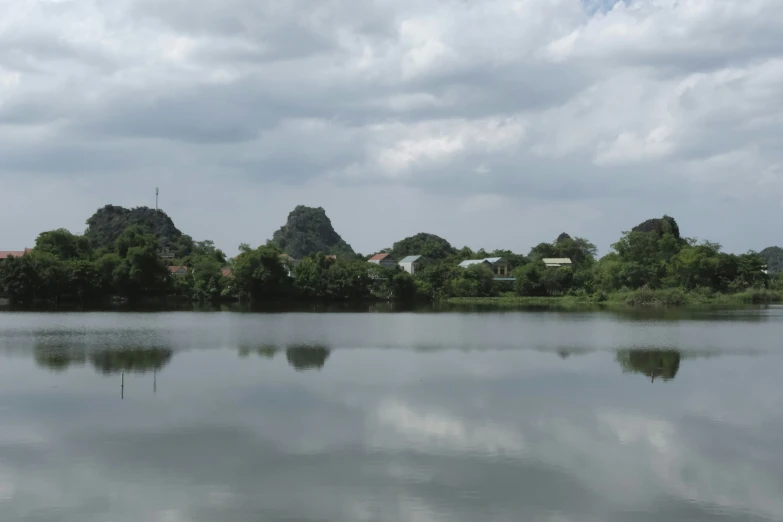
x=409 y=263
x=556 y=262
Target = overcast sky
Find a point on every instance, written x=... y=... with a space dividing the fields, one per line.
x=494 y=123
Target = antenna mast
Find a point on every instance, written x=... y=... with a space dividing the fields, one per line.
x=156 y=199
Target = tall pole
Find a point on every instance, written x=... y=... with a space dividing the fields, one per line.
x=156 y=199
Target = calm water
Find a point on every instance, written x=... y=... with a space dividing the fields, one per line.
x=543 y=416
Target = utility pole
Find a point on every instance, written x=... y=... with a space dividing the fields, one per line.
x=156 y=199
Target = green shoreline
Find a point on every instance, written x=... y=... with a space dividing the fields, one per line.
x=638 y=299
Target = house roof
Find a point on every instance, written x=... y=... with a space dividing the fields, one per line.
x=175 y=269
x=379 y=257
x=557 y=261
x=330 y=256
x=490 y=260
x=410 y=259
x=226 y=272
x=471 y=262
x=16 y=253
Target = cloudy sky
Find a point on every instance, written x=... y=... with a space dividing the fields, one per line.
x=495 y=123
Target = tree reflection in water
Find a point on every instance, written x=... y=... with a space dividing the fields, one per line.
x=654 y=364
x=131 y=360
x=307 y=357
x=107 y=361
x=267 y=351
x=59 y=358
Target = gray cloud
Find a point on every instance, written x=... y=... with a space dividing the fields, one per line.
x=539 y=106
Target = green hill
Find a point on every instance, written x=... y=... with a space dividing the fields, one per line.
x=659 y=225
x=309 y=231
x=109 y=222
x=428 y=245
x=774 y=259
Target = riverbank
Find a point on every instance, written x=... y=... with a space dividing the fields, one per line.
x=639 y=298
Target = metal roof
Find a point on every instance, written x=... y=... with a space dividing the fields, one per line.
x=379 y=257
x=471 y=262
x=493 y=260
x=557 y=261
x=410 y=259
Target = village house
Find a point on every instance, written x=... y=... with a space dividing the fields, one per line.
x=498 y=265
x=384 y=260
x=178 y=271
x=556 y=262
x=410 y=263
x=5 y=254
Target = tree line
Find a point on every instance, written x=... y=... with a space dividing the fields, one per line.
x=652 y=256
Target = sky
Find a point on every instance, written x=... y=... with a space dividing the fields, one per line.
x=495 y=124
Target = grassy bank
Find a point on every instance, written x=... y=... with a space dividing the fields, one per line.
x=638 y=298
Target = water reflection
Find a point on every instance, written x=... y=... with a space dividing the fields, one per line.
x=301 y=357
x=545 y=429
x=663 y=364
x=60 y=357
x=307 y=357
x=130 y=360
x=267 y=352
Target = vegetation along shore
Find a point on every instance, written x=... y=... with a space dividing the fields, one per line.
x=139 y=254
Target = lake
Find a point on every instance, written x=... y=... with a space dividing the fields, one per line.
x=417 y=417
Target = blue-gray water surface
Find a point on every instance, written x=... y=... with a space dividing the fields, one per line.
x=417 y=417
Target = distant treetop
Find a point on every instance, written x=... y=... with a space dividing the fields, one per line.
x=308 y=231
x=660 y=226
x=430 y=246
x=562 y=237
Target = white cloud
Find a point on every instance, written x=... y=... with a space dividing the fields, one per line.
x=636 y=104
x=439 y=431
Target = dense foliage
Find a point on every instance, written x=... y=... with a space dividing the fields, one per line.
x=430 y=246
x=652 y=261
x=309 y=231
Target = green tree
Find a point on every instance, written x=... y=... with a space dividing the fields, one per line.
x=63 y=245
x=580 y=251
x=83 y=279
x=474 y=281
x=403 y=286
x=260 y=274
x=310 y=275
x=349 y=281
x=19 y=278
x=530 y=279
x=557 y=281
